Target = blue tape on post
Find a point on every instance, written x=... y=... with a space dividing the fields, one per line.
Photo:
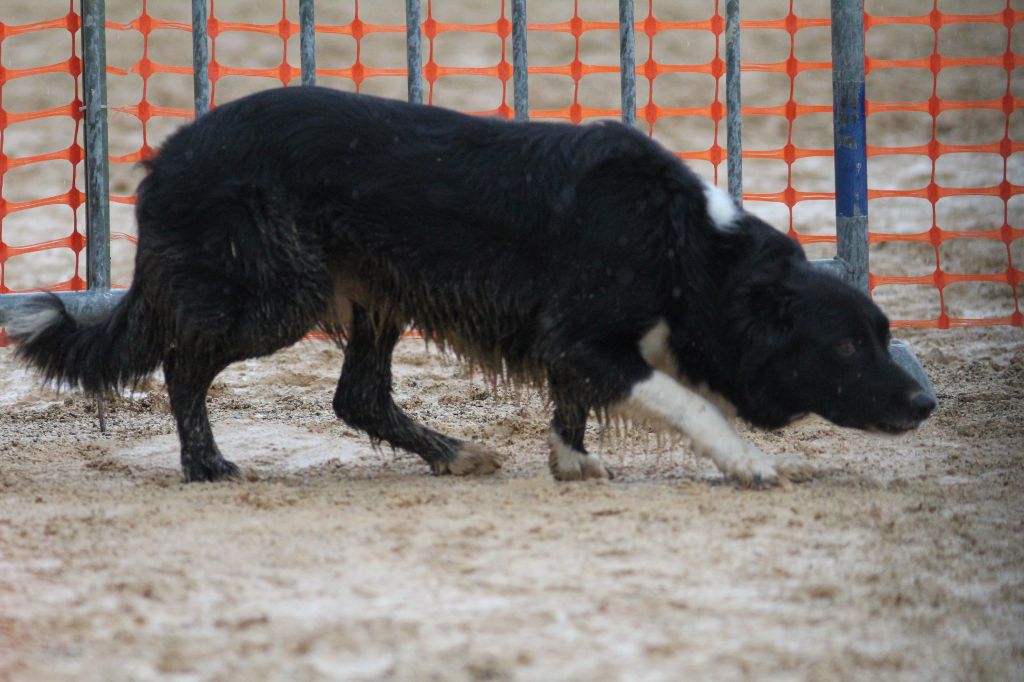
x=851 y=152
x=851 y=160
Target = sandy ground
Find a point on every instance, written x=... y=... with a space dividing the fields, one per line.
x=902 y=559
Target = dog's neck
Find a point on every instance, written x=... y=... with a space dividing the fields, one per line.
x=704 y=338
x=696 y=332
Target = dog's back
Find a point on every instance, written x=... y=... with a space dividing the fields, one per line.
x=388 y=199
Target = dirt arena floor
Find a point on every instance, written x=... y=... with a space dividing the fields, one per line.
x=902 y=559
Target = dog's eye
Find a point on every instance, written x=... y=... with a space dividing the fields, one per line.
x=846 y=347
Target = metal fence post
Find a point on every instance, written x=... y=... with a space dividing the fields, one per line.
x=627 y=61
x=851 y=161
x=97 y=181
x=849 y=119
x=520 y=73
x=733 y=100
x=414 y=50
x=200 y=57
x=307 y=42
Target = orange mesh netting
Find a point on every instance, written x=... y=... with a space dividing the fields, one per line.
x=945 y=144
x=952 y=151
x=15 y=117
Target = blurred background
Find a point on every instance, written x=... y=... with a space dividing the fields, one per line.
x=945 y=130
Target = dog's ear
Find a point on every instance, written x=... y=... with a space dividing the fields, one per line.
x=772 y=291
x=630 y=188
x=763 y=302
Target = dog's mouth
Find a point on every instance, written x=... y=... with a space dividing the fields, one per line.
x=888 y=426
x=895 y=427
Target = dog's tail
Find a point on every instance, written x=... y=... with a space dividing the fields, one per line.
x=112 y=352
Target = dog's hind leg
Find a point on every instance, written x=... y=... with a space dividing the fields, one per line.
x=187 y=383
x=243 y=286
x=569 y=460
x=363 y=400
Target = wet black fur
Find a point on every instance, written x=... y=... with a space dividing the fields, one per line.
x=544 y=251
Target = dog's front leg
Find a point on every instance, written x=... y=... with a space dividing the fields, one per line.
x=662 y=399
x=569 y=459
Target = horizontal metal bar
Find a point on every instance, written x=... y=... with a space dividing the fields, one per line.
x=835 y=266
x=81 y=304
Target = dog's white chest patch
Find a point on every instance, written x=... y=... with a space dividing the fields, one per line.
x=655 y=351
x=721 y=207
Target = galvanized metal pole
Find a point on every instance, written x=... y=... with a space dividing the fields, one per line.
x=733 y=100
x=200 y=57
x=627 y=61
x=414 y=50
x=307 y=42
x=520 y=75
x=97 y=180
x=97 y=172
x=851 y=161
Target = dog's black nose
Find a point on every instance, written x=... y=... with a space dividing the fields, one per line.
x=921 y=405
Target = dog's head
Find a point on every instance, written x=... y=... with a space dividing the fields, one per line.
x=812 y=343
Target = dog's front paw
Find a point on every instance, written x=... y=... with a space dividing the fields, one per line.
x=577 y=466
x=470 y=460
x=750 y=467
x=754 y=469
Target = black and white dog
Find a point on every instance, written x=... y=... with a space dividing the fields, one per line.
x=586 y=258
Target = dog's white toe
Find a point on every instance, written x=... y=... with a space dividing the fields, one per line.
x=569 y=464
x=585 y=467
x=755 y=469
x=750 y=468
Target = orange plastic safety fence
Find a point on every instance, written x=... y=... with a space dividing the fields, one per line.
x=67 y=149
x=997 y=146
x=938 y=232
